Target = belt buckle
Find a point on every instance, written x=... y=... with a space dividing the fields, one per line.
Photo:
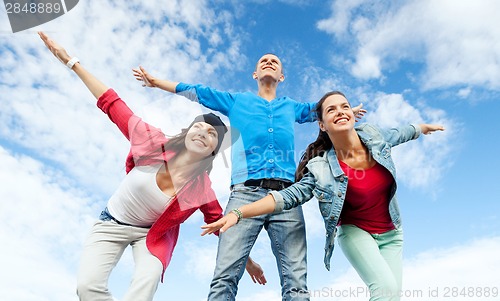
x=274 y=184
x=281 y=185
x=265 y=183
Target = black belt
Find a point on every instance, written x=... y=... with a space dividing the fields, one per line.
x=268 y=183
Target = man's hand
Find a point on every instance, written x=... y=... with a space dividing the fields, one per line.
x=359 y=112
x=255 y=272
x=147 y=79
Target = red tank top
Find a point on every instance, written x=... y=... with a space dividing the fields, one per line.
x=366 y=203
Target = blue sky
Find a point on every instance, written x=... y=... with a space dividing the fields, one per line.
x=406 y=61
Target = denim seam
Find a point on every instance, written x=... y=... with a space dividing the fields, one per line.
x=279 y=258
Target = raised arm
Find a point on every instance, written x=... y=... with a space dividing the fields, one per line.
x=95 y=86
x=108 y=101
x=150 y=81
x=206 y=96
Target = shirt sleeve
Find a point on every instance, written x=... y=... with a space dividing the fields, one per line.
x=212 y=212
x=206 y=96
x=295 y=195
x=305 y=112
x=116 y=109
x=146 y=141
x=399 y=135
x=210 y=207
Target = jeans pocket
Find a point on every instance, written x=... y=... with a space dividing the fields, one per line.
x=105 y=216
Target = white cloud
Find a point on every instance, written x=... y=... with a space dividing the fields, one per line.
x=44 y=221
x=74 y=156
x=71 y=149
x=338 y=24
x=419 y=163
x=51 y=113
x=289 y=2
x=315 y=226
x=200 y=261
x=432 y=275
x=454 y=39
x=446 y=267
x=464 y=93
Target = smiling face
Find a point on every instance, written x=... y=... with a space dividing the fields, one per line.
x=269 y=66
x=201 y=139
x=336 y=114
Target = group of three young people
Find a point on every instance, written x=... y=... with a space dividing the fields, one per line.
x=167 y=180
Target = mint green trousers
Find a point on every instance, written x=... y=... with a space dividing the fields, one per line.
x=377 y=258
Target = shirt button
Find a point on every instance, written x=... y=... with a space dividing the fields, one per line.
x=339 y=194
x=270 y=116
x=271 y=146
x=342 y=179
x=273 y=174
x=271 y=161
x=332 y=217
x=270 y=130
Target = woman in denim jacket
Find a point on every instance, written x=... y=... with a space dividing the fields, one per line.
x=351 y=173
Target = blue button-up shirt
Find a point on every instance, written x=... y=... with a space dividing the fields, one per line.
x=264 y=146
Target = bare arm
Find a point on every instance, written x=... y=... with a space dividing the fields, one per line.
x=150 y=81
x=95 y=86
x=255 y=272
x=262 y=206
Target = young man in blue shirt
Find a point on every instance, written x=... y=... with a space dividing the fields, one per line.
x=263 y=160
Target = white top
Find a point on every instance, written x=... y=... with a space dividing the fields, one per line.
x=138 y=200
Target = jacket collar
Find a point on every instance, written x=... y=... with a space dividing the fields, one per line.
x=364 y=136
x=331 y=158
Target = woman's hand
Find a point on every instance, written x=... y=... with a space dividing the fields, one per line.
x=95 y=86
x=223 y=224
x=255 y=272
x=359 y=112
x=56 y=49
x=147 y=79
x=430 y=128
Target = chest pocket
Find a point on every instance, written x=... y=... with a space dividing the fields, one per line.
x=325 y=198
x=386 y=152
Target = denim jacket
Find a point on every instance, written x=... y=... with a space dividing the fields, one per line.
x=326 y=181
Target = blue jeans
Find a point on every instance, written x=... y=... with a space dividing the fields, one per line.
x=288 y=242
x=377 y=258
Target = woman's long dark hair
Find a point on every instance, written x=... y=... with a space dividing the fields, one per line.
x=322 y=143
